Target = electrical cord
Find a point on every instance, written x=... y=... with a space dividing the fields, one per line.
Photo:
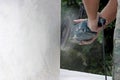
x=103 y=55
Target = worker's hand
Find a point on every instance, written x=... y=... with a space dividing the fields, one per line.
x=98 y=29
x=88 y=41
x=93 y=23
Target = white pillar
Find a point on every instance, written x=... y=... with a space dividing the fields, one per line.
x=29 y=39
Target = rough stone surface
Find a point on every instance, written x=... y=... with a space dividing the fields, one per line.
x=116 y=53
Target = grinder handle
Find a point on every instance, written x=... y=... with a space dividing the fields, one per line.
x=101 y=22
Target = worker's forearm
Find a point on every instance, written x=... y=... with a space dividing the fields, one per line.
x=91 y=7
x=109 y=12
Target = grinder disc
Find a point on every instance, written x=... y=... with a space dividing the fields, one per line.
x=65 y=32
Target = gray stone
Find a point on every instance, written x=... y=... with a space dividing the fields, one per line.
x=116 y=53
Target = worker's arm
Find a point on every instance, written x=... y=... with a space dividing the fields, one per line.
x=91 y=7
x=109 y=13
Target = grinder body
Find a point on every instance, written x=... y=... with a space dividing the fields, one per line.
x=81 y=31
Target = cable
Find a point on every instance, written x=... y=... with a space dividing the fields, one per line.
x=104 y=58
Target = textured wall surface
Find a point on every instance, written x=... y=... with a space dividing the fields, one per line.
x=29 y=39
x=116 y=54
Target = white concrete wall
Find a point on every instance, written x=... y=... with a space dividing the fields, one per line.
x=29 y=39
x=76 y=75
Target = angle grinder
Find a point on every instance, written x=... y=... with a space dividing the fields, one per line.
x=75 y=33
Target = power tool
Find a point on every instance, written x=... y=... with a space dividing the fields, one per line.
x=75 y=33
